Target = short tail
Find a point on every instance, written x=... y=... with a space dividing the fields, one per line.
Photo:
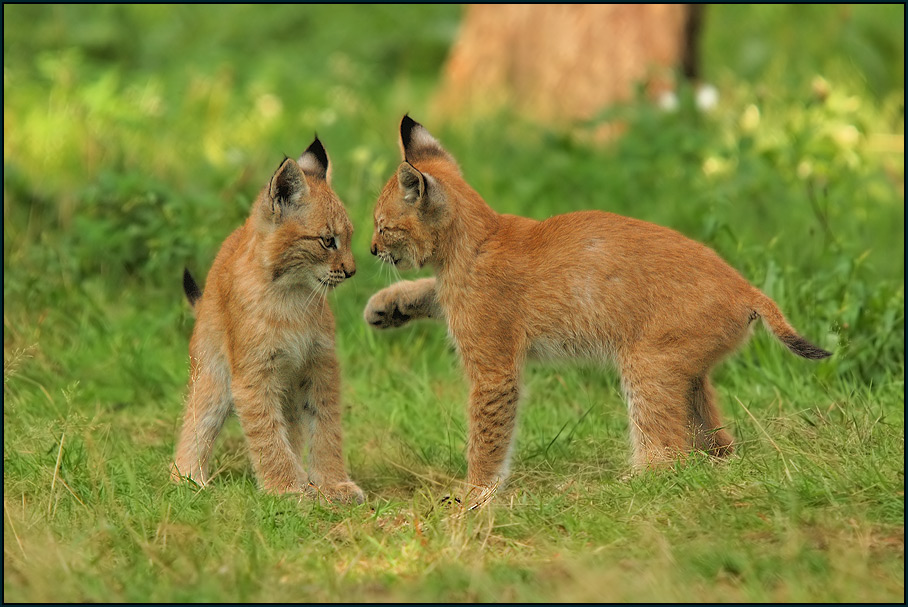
x=772 y=317
x=193 y=292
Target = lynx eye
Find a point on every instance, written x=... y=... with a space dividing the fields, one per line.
x=328 y=242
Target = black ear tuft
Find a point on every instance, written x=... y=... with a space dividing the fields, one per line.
x=407 y=125
x=417 y=143
x=314 y=161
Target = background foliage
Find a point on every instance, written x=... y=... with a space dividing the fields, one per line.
x=135 y=138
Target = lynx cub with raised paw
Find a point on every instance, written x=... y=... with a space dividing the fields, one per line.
x=590 y=284
x=263 y=342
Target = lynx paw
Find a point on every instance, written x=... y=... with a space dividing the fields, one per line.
x=346 y=492
x=194 y=477
x=479 y=497
x=383 y=311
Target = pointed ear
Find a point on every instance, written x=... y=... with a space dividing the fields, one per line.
x=416 y=143
x=314 y=161
x=288 y=186
x=412 y=183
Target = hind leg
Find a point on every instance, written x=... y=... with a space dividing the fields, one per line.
x=658 y=406
x=709 y=435
x=207 y=407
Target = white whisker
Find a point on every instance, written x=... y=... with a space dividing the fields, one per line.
x=387 y=271
x=312 y=296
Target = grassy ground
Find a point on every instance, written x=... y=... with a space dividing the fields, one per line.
x=134 y=141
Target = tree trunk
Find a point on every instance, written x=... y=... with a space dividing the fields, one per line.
x=565 y=62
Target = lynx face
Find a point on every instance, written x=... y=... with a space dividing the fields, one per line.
x=412 y=215
x=306 y=230
x=401 y=237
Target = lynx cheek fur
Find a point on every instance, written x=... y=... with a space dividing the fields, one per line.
x=263 y=342
x=663 y=308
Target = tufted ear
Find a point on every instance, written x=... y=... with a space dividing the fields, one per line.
x=314 y=161
x=412 y=183
x=288 y=187
x=416 y=143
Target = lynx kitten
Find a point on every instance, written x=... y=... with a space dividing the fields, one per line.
x=663 y=308
x=263 y=342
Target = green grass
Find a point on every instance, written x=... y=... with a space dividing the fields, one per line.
x=135 y=138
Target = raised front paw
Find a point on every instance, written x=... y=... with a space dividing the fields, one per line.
x=346 y=492
x=383 y=310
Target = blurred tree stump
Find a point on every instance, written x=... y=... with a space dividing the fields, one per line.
x=563 y=62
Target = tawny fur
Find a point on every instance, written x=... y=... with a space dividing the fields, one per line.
x=590 y=284
x=263 y=342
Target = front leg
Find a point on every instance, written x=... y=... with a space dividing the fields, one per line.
x=402 y=302
x=321 y=414
x=259 y=400
x=494 y=393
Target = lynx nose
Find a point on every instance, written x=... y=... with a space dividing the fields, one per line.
x=350 y=273
x=374 y=249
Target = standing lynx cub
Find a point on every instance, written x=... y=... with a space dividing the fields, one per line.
x=263 y=342
x=590 y=284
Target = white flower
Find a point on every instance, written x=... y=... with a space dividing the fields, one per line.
x=707 y=97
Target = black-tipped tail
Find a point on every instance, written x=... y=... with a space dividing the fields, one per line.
x=192 y=290
x=767 y=309
x=804 y=348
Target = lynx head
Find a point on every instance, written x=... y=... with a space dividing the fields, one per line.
x=413 y=209
x=303 y=225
